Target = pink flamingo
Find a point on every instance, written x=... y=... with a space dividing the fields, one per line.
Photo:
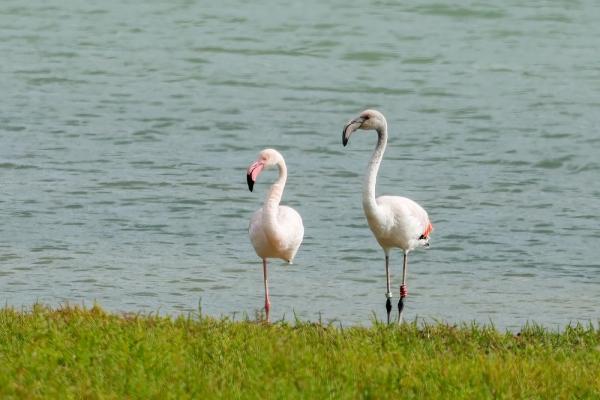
x=395 y=221
x=275 y=231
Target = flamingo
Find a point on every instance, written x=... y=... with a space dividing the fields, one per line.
x=275 y=231
x=395 y=221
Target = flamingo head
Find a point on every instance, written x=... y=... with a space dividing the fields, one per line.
x=266 y=158
x=367 y=120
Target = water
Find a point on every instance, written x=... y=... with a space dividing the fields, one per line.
x=126 y=129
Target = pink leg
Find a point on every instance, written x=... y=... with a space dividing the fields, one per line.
x=267 y=300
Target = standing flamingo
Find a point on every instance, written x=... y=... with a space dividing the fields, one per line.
x=395 y=221
x=275 y=231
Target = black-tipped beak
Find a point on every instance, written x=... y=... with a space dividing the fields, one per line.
x=351 y=127
x=252 y=173
x=344 y=137
x=250 y=182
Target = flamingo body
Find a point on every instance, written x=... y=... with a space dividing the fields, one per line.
x=284 y=246
x=400 y=222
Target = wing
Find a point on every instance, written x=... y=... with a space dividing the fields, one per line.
x=408 y=222
x=292 y=228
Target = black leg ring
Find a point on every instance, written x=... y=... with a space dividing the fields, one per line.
x=388 y=307
x=400 y=305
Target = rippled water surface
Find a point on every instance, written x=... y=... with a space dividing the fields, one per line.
x=126 y=129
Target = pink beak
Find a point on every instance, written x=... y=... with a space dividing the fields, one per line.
x=253 y=171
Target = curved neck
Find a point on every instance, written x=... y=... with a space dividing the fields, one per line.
x=369 y=203
x=271 y=205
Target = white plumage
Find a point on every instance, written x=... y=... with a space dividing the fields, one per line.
x=275 y=231
x=395 y=221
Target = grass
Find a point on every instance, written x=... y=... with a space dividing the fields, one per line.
x=72 y=352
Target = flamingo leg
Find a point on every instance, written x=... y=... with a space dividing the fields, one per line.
x=403 y=288
x=388 y=293
x=267 y=299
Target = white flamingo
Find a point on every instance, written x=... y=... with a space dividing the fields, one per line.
x=275 y=231
x=395 y=221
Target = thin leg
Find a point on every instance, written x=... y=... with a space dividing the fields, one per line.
x=267 y=300
x=388 y=293
x=403 y=288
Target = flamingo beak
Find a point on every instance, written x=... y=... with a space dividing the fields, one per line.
x=350 y=127
x=253 y=171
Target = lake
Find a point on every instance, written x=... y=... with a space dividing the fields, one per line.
x=126 y=130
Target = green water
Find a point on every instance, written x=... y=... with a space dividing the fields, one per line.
x=126 y=129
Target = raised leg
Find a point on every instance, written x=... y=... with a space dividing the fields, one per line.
x=388 y=293
x=403 y=288
x=267 y=300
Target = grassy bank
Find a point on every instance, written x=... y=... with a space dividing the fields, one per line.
x=75 y=353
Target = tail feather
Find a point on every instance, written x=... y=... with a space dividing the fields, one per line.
x=428 y=230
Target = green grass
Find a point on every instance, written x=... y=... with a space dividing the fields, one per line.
x=73 y=352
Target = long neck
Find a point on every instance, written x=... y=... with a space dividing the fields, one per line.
x=368 y=198
x=271 y=205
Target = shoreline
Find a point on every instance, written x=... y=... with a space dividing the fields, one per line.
x=74 y=351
